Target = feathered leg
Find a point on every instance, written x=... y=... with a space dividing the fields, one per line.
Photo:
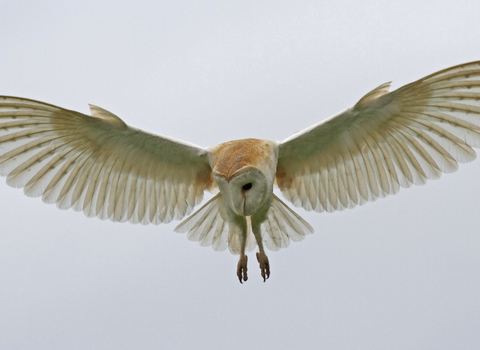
x=241 y=228
x=261 y=256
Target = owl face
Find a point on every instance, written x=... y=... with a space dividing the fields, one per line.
x=244 y=170
x=245 y=191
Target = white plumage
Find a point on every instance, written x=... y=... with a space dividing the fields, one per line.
x=99 y=165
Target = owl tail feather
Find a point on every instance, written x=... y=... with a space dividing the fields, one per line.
x=209 y=227
x=283 y=225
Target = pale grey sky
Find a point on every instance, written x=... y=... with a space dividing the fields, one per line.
x=400 y=273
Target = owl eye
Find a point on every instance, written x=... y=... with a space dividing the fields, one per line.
x=246 y=187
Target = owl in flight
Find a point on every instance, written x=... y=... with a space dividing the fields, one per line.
x=101 y=166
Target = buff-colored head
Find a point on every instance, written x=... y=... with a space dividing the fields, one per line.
x=245 y=191
x=244 y=171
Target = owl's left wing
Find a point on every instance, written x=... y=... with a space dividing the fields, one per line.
x=99 y=165
x=384 y=142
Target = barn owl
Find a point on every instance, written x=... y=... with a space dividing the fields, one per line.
x=101 y=166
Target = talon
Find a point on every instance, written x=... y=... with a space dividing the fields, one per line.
x=264 y=265
x=242 y=269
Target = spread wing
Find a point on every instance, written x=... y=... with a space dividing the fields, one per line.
x=385 y=142
x=98 y=164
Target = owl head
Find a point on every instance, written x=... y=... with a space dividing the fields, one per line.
x=245 y=191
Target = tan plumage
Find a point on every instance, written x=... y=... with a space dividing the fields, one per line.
x=99 y=165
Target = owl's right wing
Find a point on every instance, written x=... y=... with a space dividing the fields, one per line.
x=385 y=142
x=99 y=165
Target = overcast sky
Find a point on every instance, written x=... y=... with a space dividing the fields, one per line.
x=400 y=273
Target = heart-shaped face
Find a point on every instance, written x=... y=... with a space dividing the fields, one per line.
x=246 y=191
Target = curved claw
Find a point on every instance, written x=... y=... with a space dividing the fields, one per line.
x=264 y=265
x=242 y=269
